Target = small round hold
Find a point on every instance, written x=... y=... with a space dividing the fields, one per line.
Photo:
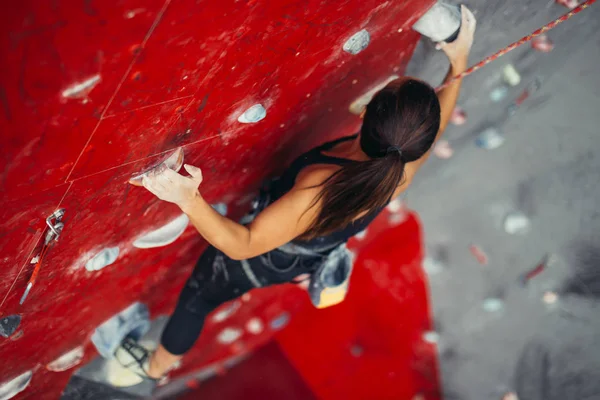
x=493 y=305
x=516 y=223
x=490 y=139
x=254 y=114
x=570 y=4
x=254 y=326
x=443 y=150
x=459 y=116
x=542 y=44
x=550 y=297
x=280 y=321
x=431 y=337
x=361 y=235
x=498 y=94
x=432 y=266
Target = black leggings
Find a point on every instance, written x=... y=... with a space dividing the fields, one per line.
x=217 y=279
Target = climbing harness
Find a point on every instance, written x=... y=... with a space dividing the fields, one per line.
x=518 y=43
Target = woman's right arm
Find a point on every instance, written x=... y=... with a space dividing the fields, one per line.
x=458 y=55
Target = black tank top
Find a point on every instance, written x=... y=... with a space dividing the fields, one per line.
x=287 y=180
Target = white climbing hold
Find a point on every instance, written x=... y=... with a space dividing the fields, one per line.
x=510 y=75
x=493 y=305
x=357 y=42
x=67 y=360
x=432 y=266
x=510 y=396
x=104 y=258
x=490 y=139
x=361 y=235
x=226 y=312
x=516 y=223
x=81 y=89
x=358 y=105
x=431 y=337
x=16 y=385
x=254 y=114
x=442 y=149
x=396 y=205
x=458 y=116
x=229 y=335
x=164 y=235
x=254 y=326
x=550 y=297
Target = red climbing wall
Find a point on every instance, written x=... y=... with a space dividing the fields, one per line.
x=94 y=92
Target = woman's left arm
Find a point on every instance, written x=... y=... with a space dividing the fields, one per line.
x=281 y=222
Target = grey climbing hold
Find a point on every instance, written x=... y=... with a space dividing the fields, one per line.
x=499 y=93
x=9 y=389
x=104 y=258
x=440 y=23
x=490 y=139
x=133 y=321
x=280 y=321
x=9 y=324
x=357 y=42
x=493 y=305
x=229 y=335
x=221 y=208
x=254 y=114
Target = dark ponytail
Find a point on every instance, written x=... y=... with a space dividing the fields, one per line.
x=399 y=126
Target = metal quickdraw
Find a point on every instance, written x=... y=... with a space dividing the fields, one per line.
x=53 y=231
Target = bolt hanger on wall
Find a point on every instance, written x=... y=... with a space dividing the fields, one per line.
x=54 y=229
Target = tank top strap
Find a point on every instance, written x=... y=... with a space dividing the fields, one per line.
x=319 y=158
x=330 y=145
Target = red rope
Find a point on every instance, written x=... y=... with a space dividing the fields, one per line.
x=518 y=43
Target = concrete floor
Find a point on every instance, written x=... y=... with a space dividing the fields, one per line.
x=548 y=169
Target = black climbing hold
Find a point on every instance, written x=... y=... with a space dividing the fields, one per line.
x=8 y=325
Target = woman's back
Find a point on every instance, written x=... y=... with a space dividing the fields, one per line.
x=316 y=161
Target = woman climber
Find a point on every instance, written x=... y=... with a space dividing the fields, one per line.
x=303 y=220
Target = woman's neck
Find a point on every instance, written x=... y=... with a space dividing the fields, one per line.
x=350 y=150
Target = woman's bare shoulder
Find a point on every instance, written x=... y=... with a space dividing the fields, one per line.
x=315 y=175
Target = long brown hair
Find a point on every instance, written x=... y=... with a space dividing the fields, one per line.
x=399 y=126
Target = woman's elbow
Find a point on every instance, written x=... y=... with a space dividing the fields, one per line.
x=237 y=254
